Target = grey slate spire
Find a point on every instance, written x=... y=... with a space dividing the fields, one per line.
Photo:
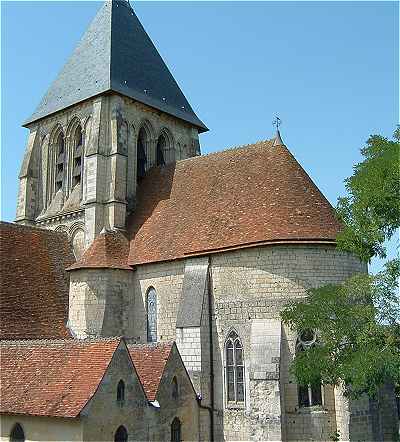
x=116 y=54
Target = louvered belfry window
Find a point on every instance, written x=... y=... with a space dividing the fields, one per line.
x=60 y=162
x=151 y=306
x=77 y=162
x=234 y=369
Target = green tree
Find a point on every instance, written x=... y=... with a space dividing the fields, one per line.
x=358 y=322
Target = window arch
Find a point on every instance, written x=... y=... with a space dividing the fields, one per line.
x=77 y=156
x=234 y=369
x=121 y=392
x=60 y=162
x=176 y=430
x=17 y=433
x=121 y=435
x=151 y=309
x=174 y=388
x=308 y=395
x=141 y=157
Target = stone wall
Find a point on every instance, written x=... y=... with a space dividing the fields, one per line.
x=101 y=303
x=40 y=428
x=253 y=285
x=104 y=414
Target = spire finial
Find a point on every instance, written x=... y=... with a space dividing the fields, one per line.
x=278 y=140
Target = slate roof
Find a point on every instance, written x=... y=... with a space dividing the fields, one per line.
x=116 y=54
x=150 y=361
x=34 y=285
x=52 y=378
x=108 y=250
x=243 y=197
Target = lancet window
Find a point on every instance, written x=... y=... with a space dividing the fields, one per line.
x=60 y=162
x=176 y=430
x=234 y=369
x=308 y=395
x=77 y=157
x=151 y=307
x=17 y=434
x=141 y=154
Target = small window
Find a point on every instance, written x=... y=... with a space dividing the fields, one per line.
x=175 y=391
x=151 y=307
x=121 y=435
x=176 y=429
x=17 y=434
x=234 y=369
x=121 y=392
x=308 y=395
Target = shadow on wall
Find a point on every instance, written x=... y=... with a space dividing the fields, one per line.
x=153 y=188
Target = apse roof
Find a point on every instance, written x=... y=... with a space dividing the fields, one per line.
x=116 y=54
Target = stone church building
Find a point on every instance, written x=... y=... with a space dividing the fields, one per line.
x=128 y=241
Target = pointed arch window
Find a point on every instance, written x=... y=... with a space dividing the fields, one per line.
x=176 y=430
x=308 y=395
x=121 y=392
x=175 y=389
x=234 y=369
x=151 y=308
x=161 y=147
x=141 y=154
x=78 y=156
x=121 y=435
x=60 y=162
x=17 y=433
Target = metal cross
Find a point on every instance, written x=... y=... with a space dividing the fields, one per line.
x=277 y=122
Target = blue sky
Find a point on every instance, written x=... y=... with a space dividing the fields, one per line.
x=328 y=69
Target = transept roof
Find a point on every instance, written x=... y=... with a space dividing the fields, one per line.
x=116 y=54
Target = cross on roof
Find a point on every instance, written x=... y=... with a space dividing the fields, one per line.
x=277 y=122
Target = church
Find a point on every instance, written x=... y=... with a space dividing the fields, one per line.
x=142 y=282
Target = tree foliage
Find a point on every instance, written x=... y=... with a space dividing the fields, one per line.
x=371 y=210
x=358 y=322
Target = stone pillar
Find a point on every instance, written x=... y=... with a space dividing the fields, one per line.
x=265 y=395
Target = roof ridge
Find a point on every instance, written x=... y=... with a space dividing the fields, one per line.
x=29 y=227
x=230 y=149
x=24 y=342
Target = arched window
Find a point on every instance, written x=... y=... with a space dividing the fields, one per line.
x=174 y=387
x=121 y=435
x=309 y=395
x=60 y=160
x=17 y=434
x=121 y=392
x=176 y=429
x=141 y=154
x=161 y=147
x=78 y=155
x=151 y=307
x=234 y=369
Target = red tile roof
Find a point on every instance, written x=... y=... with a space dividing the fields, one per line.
x=150 y=361
x=33 y=283
x=52 y=378
x=109 y=250
x=235 y=198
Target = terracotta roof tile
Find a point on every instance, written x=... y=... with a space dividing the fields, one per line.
x=234 y=198
x=109 y=250
x=52 y=378
x=33 y=283
x=150 y=361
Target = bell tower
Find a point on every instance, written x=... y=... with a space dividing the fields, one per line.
x=113 y=112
